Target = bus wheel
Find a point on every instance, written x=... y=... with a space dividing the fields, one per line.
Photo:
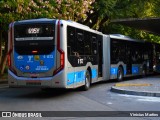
x=120 y=74
x=87 y=81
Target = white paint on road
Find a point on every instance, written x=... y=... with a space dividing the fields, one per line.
x=142 y=98
x=109 y=103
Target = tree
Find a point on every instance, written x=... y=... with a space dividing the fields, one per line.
x=13 y=10
x=134 y=9
x=99 y=15
x=93 y=13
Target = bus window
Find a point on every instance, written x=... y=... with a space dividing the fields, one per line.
x=114 y=51
x=71 y=40
x=29 y=37
x=94 y=45
x=88 y=45
x=80 y=41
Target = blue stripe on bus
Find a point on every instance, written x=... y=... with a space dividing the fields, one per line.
x=113 y=71
x=135 y=70
x=94 y=73
x=125 y=72
x=76 y=77
x=70 y=78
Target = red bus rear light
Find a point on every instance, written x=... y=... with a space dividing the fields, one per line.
x=62 y=59
x=10 y=45
x=62 y=55
x=34 y=51
x=9 y=61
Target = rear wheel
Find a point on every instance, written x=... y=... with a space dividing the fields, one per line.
x=120 y=74
x=87 y=81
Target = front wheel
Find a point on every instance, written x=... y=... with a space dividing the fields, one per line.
x=87 y=81
x=120 y=74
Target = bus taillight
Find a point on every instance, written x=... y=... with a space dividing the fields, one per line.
x=60 y=51
x=10 y=45
x=9 y=60
x=34 y=51
x=62 y=59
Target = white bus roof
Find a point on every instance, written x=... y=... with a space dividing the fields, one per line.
x=80 y=26
x=35 y=20
x=68 y=22
x=76 y=23
x=123 y=37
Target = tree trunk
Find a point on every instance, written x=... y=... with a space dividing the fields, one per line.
x=105 y=19
x=3 y=64
x=4 y=56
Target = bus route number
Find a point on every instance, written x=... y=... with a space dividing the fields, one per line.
x=80 y=61
x=33 y=30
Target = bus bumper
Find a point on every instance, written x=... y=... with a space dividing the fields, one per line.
x=47 y=82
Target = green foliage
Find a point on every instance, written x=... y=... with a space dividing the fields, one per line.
x=134 y=9
x=15 y=10
x=94 y=13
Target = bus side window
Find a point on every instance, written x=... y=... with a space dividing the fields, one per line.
x=114 y=51
x=94 y=45
x=87 y=43
x=70 y=40
x=79 y=41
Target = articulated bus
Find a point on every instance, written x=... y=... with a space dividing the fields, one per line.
x=51 y=53
x=130 y=57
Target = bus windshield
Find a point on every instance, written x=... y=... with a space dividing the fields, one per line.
x=29 y=37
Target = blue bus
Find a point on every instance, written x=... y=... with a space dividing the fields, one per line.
x=50 y=53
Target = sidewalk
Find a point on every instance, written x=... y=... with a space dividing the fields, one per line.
x=148 y=86
x=3 y=81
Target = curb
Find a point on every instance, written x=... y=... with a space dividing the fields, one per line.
x=138 y=93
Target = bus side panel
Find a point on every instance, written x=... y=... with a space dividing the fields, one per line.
x=106 y=57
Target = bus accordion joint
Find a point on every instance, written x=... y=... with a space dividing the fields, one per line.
x=60 y=51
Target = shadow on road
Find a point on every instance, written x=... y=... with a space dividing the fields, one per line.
x=37 y=93
x=43 y=94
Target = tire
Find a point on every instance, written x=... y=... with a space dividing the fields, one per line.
x=120 y=74
x=87 y=81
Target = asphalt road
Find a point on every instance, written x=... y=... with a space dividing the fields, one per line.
x=97 y=98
